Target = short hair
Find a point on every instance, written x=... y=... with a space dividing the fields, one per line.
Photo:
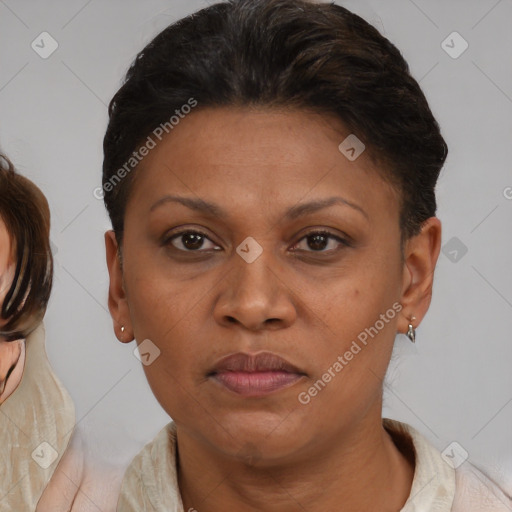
x=284 y=54
x=26 y=214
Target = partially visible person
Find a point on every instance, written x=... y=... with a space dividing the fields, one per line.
x=45 y=463
x=37 y=415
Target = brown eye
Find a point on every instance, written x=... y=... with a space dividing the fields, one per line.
x=190 y=241
x=319 y=241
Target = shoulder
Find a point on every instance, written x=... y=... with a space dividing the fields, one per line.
x=439 y=486
x=433 y=486
x=150 y=482
x=43 y=410
x=87 y=478
x=157 y=455
x=476 y=492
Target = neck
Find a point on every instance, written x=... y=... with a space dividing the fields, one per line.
x=357 y=470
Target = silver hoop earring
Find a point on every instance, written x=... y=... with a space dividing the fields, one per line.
x=411 y=333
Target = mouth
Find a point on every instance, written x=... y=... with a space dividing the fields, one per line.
x=255 y=375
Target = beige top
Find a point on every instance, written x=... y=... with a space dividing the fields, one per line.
x=36 y=423
x=150 y=483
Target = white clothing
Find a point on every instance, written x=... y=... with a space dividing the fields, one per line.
x=36 y=423
x=150 y=483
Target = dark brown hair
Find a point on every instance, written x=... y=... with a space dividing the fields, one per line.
x=282 y=53
x=25 y=212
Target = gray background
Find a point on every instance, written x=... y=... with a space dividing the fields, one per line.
x=455 y=384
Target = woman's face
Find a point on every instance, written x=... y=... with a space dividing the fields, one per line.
x=10 y=352
x=261 y=280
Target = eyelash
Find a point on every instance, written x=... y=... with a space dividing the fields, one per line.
x=325 y=233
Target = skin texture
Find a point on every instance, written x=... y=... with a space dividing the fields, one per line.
x=12 y=354
x=271 y=453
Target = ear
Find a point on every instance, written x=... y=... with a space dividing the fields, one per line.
x=420 y=258
x=117 y=303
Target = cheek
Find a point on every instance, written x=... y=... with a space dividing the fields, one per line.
x=355 y=298
x=350 y=364
x=5 y=285
x=166 y=312
x=156 y=302
x=6 y=280
x=173 y=377
x=358 y=328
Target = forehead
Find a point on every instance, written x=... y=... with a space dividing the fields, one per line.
x=254 y=157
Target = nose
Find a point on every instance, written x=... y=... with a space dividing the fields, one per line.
x=256 y=295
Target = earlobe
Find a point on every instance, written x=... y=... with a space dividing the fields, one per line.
x=117 y=302
x=124 y=336
x=420 y=257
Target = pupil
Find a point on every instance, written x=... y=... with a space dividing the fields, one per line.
x=194 y=239
x=319 y=242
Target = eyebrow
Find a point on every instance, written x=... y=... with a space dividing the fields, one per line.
x=293 y=213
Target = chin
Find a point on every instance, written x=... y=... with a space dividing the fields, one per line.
x=256 y=437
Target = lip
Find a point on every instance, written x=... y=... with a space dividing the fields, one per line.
x=253 y=375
